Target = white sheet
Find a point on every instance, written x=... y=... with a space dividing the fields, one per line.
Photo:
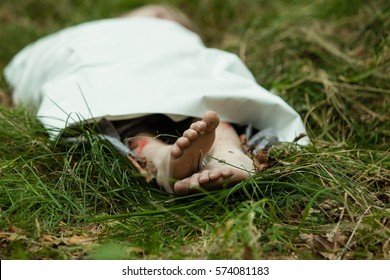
x=129 y=67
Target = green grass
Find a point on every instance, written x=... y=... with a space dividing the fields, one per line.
x=329 y=59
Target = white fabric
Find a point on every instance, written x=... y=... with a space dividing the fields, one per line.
x=130 y=67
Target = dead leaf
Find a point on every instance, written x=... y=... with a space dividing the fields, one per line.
x=14 y=234
x=145 y=168
x=307 y=239
x=322 y=244
x=15 y=229
x=96 y=229
x=262 y=160
x=248 y=253
x=329 y=204
x=81 y=240
x=243 y=141
x=329 y=256
x=262 y=156
x=50 y=240
x=16 y=237
x=71 y=241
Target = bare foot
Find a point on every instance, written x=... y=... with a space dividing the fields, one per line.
x=182 y=159
x=231 y=167
x=186 y=155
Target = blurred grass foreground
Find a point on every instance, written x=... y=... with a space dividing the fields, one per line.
x=330 y=60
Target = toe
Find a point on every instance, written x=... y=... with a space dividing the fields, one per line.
x=194 y=181
x=212 y=120
x=199 y=126
x=182 y=187
x=190 y=134
x=226 y=172
x=204 y=177
x=176 y=151
x=215 y=174
x=183 y=142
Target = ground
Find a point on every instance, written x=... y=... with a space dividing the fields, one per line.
x=330 y=200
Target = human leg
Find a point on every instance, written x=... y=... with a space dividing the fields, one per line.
x=184 y=157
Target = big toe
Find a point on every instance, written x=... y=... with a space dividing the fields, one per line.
x=212 y=120
x=182 y=187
